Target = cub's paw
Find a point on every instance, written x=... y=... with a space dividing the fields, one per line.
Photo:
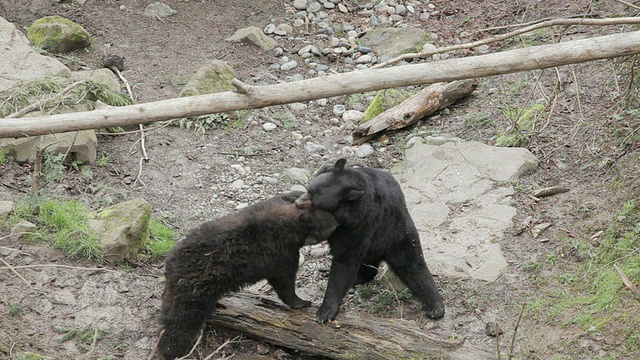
x=327 y=313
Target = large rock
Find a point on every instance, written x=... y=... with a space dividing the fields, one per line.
x=81 y=145
x=470 y=178
x=124 y=228
x=391 y=42
x=253 y=35
x=6 y=207
x=212 y=77
x=57 y=34
x=19 y=62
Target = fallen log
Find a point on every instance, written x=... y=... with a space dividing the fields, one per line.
x=426 y=102
x=252 y=97
x=350 y=337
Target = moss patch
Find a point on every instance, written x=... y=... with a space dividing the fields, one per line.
x=384 y=100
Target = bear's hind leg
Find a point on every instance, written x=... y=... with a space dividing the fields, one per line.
x=408 y=263
x=182 y=318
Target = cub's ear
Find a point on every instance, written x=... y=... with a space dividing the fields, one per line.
x=353 y=194
x=339 y=166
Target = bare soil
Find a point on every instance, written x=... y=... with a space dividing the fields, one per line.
x=581 y=140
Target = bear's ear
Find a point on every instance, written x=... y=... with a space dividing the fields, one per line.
x=352 y=194
x=326 y=167
x=304 y=217
x=339 y=166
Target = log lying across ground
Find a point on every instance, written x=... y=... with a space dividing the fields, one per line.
x=351 y=337
x=251 y=97
x=427 y=101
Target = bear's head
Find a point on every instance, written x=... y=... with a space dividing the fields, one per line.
x=317 y=224
x=333 y=186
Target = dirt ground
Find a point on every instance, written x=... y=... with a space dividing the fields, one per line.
x=579 y=141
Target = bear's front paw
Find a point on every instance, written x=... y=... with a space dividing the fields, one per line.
x=436 y=312
x=326 y=313
x=299 y=304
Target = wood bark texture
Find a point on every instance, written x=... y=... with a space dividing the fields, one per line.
x=251 y=97
x=426 y=102
x=350 y=337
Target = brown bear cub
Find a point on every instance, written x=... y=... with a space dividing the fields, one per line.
x=261 y=241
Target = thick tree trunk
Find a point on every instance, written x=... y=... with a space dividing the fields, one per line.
x=426 y=102
x=350 y=337
x=251 y=97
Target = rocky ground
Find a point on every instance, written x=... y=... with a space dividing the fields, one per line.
x=582 y=141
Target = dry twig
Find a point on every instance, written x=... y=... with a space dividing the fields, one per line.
x=626 y=3
x=515 y=331
x=549 y=23
x=625 y=280
x=56 y=265
x=194 y=347
x=221 y=347
x=15 y=272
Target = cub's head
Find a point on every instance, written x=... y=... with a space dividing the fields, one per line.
x=317 y=224
x=332 y=186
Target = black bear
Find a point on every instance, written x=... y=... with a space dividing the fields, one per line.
x=261 y=241
x=375 y=226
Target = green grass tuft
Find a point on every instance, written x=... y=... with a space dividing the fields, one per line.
x=162 y=240
x=63 y=223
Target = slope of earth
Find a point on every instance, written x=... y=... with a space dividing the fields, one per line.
x=582 y=126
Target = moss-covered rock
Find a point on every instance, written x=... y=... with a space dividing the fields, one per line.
x=57 y=34
x=124 y=228
x=212 y=77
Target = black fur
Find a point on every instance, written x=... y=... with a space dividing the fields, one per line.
x=261 y=241
x=375 y=226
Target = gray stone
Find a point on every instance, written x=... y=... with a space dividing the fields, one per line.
x=298 y=106
x=289 y=65
x=394 y=41
x=433 y=178
x=364 y=150
x=125 y=229
x=269 y=29
x=6 y=207
x=57 y=34
x=300 y=4
x=339 y=109
x=212 y=77
x=353 y=116
x=313 y=7
x=347 y=151
x=254 y=36
x=297 y=175
x=22 y=228
x=269 y=180
x=364 y=59
x=269 y=126
x=286 y=28
x=19 y=62
x=315 y=148
x=158 y=9
x=237 y=185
